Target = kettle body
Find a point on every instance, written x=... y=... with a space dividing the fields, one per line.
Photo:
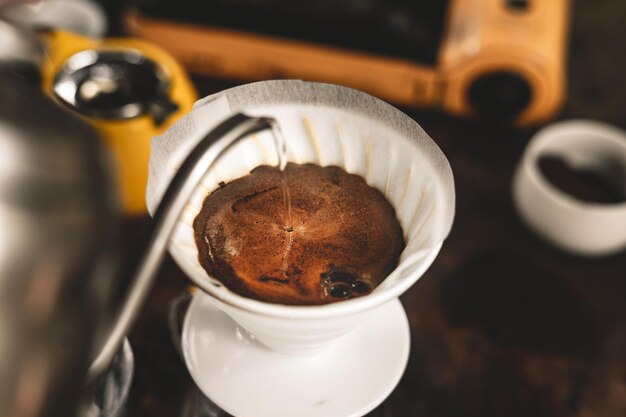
x=58 y=216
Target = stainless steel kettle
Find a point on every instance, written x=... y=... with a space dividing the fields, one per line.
x=57 y=217
x=59 y=326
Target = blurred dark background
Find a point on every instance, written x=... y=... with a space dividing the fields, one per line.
x=408 y=29
x=502 y=323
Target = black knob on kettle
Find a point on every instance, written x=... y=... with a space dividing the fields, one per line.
x=500 y=95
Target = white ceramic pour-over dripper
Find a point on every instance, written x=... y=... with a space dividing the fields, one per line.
x=326 y=125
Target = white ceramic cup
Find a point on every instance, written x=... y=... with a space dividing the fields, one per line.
x=327 y=125
x=576 y=226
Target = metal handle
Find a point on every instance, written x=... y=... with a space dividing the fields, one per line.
x=155 y=243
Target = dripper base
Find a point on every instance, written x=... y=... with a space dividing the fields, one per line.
x=350 y=377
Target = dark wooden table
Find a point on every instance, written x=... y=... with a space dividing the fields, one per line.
x=501 y=324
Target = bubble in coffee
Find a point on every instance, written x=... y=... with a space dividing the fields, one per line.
x=307 y=235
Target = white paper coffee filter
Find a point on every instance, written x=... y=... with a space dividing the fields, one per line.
x=325 y=125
